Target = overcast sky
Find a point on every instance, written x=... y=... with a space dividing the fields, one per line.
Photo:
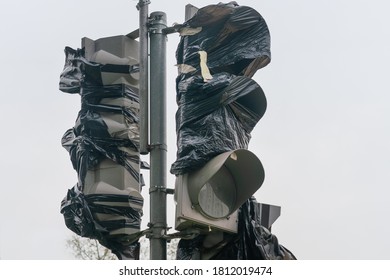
x=324 y=140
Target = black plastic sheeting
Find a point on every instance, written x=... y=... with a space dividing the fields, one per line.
x=215 y=117
x=236 y=39
x=89 y=142
x=218 y=115
x=217 y=112
x=241 y=246
x=79 y=209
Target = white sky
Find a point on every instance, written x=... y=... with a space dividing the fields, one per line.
x=324 y=140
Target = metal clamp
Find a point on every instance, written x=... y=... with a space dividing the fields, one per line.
x=153 y=189
x=190 y=233
x=160 y=146
x=154 y=232
x=164 y=189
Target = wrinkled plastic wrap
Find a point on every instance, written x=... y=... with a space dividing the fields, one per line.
x=92 y=141
x=236 y=39
x=252 y=242
x=221 y=48
x=215 y=117
x=217 y=112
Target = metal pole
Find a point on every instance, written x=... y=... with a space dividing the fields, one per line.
x=158 y=137
x=144 y=75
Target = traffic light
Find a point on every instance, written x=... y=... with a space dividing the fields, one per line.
x=221 y=48
x=104 y=143
x=209 y=197
x=118 y=59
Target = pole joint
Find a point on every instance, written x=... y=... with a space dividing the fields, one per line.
x=157 y=23
x=160 y=146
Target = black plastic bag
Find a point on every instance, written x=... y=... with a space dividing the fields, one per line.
x=78 y=216
x=218 y=110
x=236 y=39
x=215 y=117
x=90 y=141
x=252 y=242
x=79 y=210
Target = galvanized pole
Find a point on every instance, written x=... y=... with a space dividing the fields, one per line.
x=144 y=75
x=158 y=137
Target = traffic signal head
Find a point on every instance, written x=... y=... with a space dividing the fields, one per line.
x=209 y=197
x=118 y=57
x=104 y=142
